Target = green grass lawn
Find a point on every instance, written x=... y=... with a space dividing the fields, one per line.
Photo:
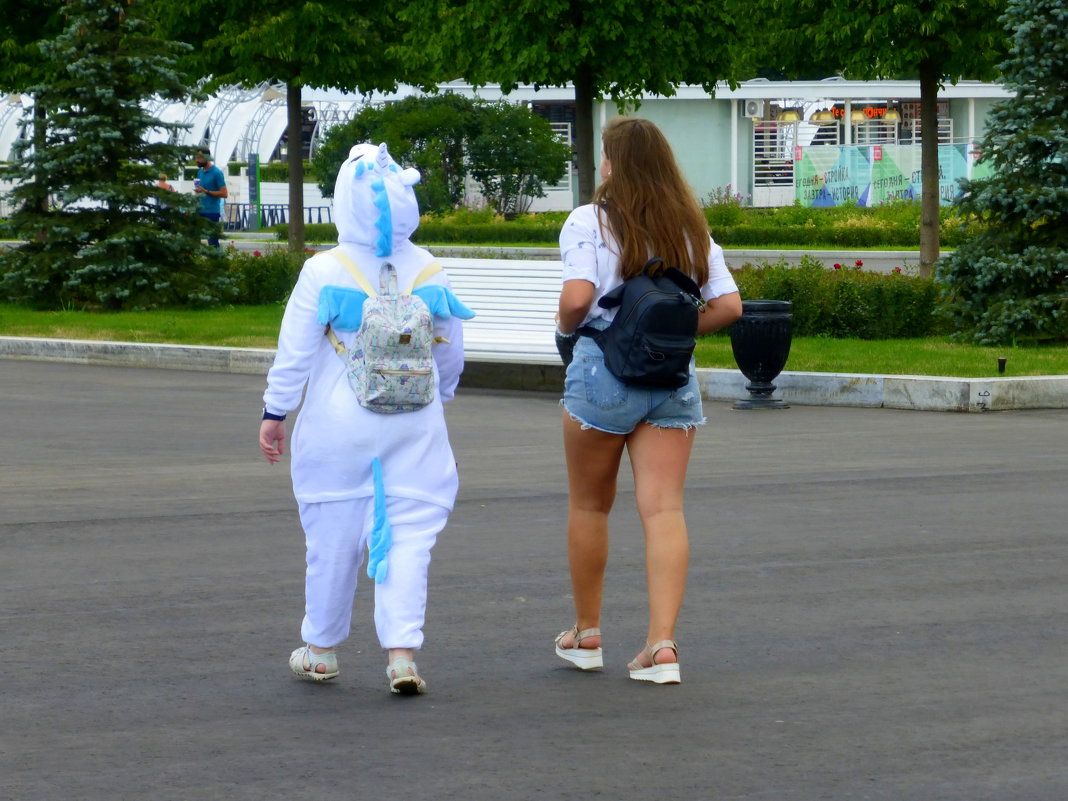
x=257 y=327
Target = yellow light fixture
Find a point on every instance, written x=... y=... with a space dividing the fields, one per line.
x=822 y=117
x=858 y=116
x=892 y=115
x=790 y=115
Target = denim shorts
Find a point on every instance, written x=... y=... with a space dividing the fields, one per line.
x=597 y=399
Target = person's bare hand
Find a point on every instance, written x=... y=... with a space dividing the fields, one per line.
x=273 y=439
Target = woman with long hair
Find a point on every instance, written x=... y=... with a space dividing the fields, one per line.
x=643 y=208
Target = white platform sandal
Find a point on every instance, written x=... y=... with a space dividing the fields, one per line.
x=666 y=673
x=582 y=658
x=306 y=664
x=404 y=678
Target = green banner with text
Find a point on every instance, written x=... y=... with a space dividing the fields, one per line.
x=871 y=175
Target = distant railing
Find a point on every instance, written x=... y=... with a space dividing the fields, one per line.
x=239 y=216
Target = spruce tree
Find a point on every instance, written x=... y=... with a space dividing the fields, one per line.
x=110 y=237
x=1009 y=282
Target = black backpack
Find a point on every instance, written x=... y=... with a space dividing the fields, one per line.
x=650 y=341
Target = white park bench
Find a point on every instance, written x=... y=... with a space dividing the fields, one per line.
x=515 y=302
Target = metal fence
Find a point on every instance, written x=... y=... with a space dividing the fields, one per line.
x=240 y=216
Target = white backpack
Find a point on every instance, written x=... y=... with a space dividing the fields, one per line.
x=389 y=364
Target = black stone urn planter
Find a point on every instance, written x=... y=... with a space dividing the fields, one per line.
x=760 y=339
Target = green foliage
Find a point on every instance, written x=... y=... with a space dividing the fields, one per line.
x=266 y=276
x=615 y=47
x=892 y=225
x=723 y=207
x=847 y=301
x=487 y=233
x=22 y=26
x=1009 y=282
x=97 y=229
x=871 y=39
x=507 y=149
x=278 y=171
x=513 y=155
x=425 y=132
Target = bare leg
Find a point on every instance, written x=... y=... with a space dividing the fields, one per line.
x=659 y=458
x=592 y=466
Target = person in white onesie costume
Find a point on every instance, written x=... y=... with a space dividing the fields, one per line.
x=336 y=441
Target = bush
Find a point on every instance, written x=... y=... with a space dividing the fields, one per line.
x=847 y=301
x=264 y=277
x=313 y=232
x=507 y=149
x=892 y=225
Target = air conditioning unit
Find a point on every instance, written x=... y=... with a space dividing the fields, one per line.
x=754 y=108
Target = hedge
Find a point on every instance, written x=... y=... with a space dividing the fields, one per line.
x=849 y=301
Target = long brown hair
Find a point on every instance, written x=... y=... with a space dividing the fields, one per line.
x=647 y=206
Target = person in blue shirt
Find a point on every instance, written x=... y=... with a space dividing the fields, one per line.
x=211 y=186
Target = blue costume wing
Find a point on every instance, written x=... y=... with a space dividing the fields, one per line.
x=442 y=302
x=341 y=307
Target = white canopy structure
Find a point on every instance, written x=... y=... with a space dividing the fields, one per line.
x=232 y=124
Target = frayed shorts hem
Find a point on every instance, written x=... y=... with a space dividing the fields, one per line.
x=684 y=425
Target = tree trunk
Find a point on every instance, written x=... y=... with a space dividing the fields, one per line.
x=295 y=161
x=929 y=201
x=584 y=144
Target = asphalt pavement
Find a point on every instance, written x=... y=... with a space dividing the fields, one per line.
x=876 y=610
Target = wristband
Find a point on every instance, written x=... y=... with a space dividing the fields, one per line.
x=268 y=416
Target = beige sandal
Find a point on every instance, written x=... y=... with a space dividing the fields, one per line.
x=404 y=677
x=306 y=664
x=582 y=658
x=664 y=673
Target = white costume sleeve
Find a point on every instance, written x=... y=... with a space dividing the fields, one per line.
x=449 y=356
x=299 y=339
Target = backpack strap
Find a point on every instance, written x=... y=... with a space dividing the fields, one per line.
x=354 y=271
x=363 y=283
x=341 y=350
x=431 y=269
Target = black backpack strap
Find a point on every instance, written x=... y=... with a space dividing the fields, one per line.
x=612 y=299
x=682 y=281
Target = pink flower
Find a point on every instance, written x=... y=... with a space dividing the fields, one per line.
x=256 y=253
x=838 y=266
x=897 y=269
x=860 y=263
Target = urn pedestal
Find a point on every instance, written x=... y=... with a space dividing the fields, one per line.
x=760 y=339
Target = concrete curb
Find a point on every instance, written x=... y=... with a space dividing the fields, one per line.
x=919 y=393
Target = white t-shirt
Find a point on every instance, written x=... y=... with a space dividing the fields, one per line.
x=590 y=256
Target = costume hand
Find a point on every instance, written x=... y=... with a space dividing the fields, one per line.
x=273 y=439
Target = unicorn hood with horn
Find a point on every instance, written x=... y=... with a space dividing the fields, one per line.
x=374 y=203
